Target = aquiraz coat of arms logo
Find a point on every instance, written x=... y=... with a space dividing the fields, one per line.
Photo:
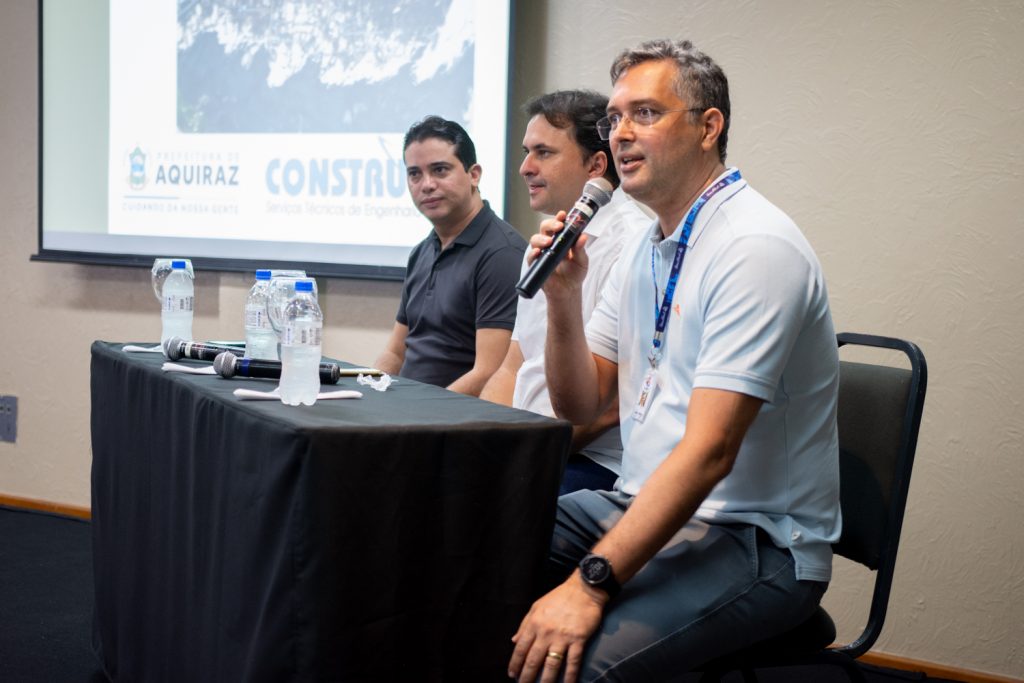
x=137 y=169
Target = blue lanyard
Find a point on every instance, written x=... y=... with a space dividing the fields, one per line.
x=677 y=264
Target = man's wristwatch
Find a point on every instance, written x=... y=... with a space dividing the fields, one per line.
x=596 y=571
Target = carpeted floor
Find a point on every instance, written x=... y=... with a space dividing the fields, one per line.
x=46 y=608
x=45 y=599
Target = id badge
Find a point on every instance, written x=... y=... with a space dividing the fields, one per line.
x=643 y=401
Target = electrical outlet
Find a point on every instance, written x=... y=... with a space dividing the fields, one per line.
x=8 y=418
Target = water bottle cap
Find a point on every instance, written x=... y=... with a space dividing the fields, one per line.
x=304 y=286
x=178 y=265
x=262 y=274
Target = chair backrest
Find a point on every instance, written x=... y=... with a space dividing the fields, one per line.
x=879 y=417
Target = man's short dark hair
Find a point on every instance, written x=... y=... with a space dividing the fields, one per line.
x=443 y=129
x=579 y=110
x=699 y=81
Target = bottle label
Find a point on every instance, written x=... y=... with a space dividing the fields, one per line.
x=178 y=304
x=256 y=318
x=302 y=334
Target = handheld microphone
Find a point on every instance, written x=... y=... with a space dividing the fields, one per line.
x=596 y=193
x=177 y=348
x=228 y=365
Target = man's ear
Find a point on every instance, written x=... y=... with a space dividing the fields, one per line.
x=475 y=172
x=597 y=164
x=714 y=123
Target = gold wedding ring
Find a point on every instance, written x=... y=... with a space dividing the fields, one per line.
x=556 y=655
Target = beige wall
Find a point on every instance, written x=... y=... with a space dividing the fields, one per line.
x=891 y=131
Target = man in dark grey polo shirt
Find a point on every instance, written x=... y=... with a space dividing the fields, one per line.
x=458 y=303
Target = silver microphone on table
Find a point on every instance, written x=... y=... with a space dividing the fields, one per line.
x=229 y=365
x=177 y=348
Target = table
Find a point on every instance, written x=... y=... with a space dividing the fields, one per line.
x=400 y=536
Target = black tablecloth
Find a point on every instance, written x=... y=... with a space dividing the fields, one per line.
x=400 y=536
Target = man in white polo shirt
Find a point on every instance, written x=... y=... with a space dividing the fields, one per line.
x=562 y=151
x=714 y=331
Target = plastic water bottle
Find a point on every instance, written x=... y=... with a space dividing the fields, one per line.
x=260 y=338
x=300 y=347
x=178 y=297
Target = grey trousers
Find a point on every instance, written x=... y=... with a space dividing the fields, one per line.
x=713 y=589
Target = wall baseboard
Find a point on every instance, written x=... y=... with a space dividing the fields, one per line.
x=934 y=670
x=875 y=658
x=46 y=506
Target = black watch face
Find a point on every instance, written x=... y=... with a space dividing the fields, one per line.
x=594 y=569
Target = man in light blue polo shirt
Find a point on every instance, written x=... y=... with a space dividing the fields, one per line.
x=714 y=330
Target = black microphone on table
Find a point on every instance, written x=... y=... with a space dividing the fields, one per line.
x=596 y=193
x=177 y=348
x=228 y=365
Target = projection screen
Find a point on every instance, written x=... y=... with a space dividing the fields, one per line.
x=245 y=134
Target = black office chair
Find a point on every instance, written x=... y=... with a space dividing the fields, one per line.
x=879 y=417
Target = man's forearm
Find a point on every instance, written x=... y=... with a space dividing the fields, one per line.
x=669 y=498
x=492 y=344
x=569 y=367
x=392 y=357
x=500 y=387
x=582 y=435
x=388 y=362
x=716 y=425
x=470 y=384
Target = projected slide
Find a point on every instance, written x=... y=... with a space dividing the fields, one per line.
x=321 y=67
x=235 y=124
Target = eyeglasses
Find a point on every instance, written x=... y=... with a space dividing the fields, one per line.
x=641 y=116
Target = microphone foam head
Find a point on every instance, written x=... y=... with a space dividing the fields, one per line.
x=172 y=348
x=599 y=189
x=225 y=363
